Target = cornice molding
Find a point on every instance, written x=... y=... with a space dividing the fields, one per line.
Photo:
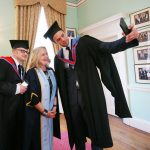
x=75 y=5
x=101 y=23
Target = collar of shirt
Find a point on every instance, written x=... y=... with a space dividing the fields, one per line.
x=16 y=62
x=69 y=45
x=66 y=52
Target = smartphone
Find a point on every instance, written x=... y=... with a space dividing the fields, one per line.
x=124 y=26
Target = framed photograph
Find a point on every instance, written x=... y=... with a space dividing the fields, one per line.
x=71 y=32
x=142 y=55
x=142 y=73
x=144 y=36
x=141 y=18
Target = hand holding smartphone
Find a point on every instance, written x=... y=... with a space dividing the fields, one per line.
x=124 y=26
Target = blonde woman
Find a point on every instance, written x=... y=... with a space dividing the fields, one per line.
x=41 y=103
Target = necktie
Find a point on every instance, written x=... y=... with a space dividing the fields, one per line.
x=70 y=53
x=21 y=71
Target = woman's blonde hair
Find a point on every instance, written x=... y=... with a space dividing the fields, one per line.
x=35 y=57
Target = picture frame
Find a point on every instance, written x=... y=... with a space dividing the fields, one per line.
x=142 y=73
x=142 y=55
x=140 y=18
x=71 y=32
x=144 y=36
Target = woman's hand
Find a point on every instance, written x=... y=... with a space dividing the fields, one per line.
x=51 y=114
x=54 y=109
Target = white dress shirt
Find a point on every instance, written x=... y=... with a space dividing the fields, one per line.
x=66 y=53
x=18 y=84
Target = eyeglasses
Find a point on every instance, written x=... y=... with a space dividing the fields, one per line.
x=23 y=51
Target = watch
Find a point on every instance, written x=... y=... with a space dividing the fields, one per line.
x=45 y=112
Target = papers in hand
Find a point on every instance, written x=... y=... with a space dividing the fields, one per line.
x=24 y=83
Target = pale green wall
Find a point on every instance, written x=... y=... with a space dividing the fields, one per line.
x=140 y=105
x=93 y=11
x=71 y=18
x=7 y=25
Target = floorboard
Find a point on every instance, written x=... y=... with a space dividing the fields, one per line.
x=124 y=136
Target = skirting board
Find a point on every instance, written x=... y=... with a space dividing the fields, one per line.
x=138 y=123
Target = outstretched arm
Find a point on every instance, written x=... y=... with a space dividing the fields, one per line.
x=97 y=47
x=122 y=44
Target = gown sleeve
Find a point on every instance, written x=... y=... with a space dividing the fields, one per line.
x=6 y=87
x=99 y=54
x=32 y=94
x=108 y=47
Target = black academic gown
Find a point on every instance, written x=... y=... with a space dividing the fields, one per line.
x=90 y=54
x=32 y=128
x=11 y=108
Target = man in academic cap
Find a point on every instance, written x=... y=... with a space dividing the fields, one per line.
x=80 y=86
x=11 y=96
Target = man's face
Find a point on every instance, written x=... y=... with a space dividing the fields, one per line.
x=21 y=54
x=61 y=39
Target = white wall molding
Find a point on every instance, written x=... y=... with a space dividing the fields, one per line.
x=101 y=23
x=141 y=89
x=76 y=5
x=138 y=123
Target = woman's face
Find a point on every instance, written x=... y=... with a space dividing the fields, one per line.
x=44 y=60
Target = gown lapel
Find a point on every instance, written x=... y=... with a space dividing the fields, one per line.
x=11 y=61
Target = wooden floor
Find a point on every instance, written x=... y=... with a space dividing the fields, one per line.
x=124 y=137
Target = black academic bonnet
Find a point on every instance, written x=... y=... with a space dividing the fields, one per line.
x=52 y=30
x=19 y=44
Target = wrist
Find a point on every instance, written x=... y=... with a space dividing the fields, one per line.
x=45 y=113
x=54 y=105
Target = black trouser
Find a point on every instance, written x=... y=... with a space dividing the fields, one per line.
x=94 y=147
x=80 y=128
x=81 y=146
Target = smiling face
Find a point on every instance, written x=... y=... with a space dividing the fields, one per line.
x=43 y=58
x=20 y=54
x=61 y=38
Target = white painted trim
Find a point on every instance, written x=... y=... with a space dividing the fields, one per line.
x=101 y=23
x=71 y=4
x=141 y=89
x=80 y=2
x=138 y=123
x=76 y=5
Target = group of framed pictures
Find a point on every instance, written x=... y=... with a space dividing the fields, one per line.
x=141 y=20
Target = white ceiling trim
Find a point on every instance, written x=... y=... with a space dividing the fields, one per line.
x=101 y=23
x=76 y=5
